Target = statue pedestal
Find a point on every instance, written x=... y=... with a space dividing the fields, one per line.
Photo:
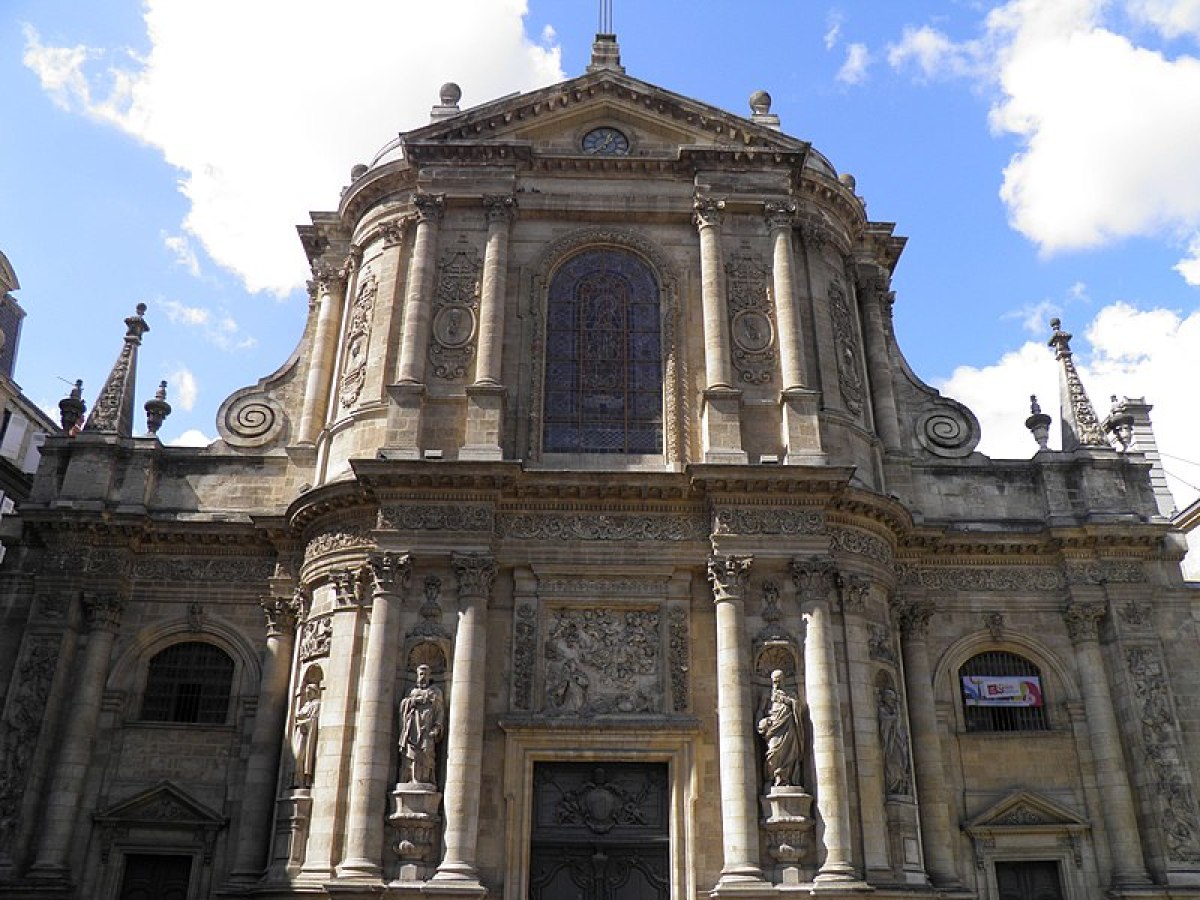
x=788 y=822
x=414 y=817
x=293 y=813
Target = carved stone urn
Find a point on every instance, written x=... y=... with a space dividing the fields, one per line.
x=414 y=817
x=788 y=823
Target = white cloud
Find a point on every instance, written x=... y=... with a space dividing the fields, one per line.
x=182 y=389
x=1124 y=352
x=854 y=69
x=833 y=28
x=933 y=53
x=1035 y=317
x=193 y=437
x=220 y=329
x=1189 y=266
x=181 y=249
x=1109 y=130
x=263 y=119
x=1174 y=18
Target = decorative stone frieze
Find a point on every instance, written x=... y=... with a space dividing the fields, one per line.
x=586 y=586
x=435 y=517
x=767 y=520
x=455 y=317
x=1160 y=742
x=851 y=540
x=315 y=637
x=849 y=366
x=187 y=569
x=358 y=336
x=1034 y=579
x=344 y=538
x=1105 y=572
x=751 y=317
x=609 y=527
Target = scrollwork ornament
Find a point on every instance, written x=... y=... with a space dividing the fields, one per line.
x=751 y=520
x=455 y=313
x=707 y=212
x=23 y=714
x=443 y=517
x=428 y=207
x=251 y=419
x=524 y=654
x=728 y=576
x=358 y=335
x=750 y=318
x=779 y=214
x=850 y=540
x=499 y=207
x=475 y=573
x=679 y=644
x=1083 y=620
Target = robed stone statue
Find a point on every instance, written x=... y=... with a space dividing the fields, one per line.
x=422 y=720
x=782 y=725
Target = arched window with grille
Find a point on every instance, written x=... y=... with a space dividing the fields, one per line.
x=1002 y=691
x=188 y=682
x=604 y=371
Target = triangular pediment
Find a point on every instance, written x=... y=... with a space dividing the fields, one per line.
x=658 y=122
x=163 y=804
x=1025 y=811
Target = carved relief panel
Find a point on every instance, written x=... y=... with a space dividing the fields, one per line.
x=455 y=316
x=845 y=336
x=751 y=314
x=358 y=337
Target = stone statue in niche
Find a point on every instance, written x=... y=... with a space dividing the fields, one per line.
x=422 y=720
x=897 y=769
x=782 y=726
x=304 y=735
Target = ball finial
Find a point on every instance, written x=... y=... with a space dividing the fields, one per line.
x=450 y=93
x=760 y=103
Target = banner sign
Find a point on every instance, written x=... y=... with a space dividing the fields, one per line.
x=1002 y=690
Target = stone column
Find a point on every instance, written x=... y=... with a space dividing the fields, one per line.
x=735 y=726
x=335 y=730
x=815 y=580
x=873 y=296
x=464 y=743
x=330 y=283
x=800 y=431
x=485 y=398
x=929 y=773
x=270 y=718
x=61 y=810
x=1112 y=780
x=370 y=767
x=404 y=422
x=722 y=401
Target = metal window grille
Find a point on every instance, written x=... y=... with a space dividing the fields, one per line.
x=188 y=682
x=1003 y=718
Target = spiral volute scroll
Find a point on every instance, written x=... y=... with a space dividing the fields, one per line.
x=950 y=430
x=251 y=420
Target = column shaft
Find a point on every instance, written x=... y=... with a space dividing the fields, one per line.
x=262 y=768
x=717 y=367
x=75 y=751
x=872 y=290
x=791 y=357
x=929 y=773
x=492 y=292
x=373 y=725
x=739 y=783
x=324 y=349
x=464 y=744
x=418 y=291
x=1120 y=817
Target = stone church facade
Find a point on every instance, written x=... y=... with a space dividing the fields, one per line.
x=597 y=541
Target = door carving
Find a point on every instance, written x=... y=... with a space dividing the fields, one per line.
x=600 y=832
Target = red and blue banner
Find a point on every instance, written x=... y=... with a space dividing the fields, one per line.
x=1002 y=690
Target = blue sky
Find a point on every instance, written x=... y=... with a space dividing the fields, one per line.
x=1042 y=157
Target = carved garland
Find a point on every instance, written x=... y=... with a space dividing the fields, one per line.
x=677 y=424
x=983 y=578
x=749 y=520
x=620 y=527
x=407 y=517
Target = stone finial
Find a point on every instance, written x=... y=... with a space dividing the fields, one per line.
x=848 y=181
x=358 y=170
x=157 y=409
x=1038 y=423
x=71 y=409
x=760 y=109
x=1080 y=428
x=448 y=96
x=113 y=411
x=606 y=54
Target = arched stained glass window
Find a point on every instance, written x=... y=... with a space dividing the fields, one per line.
x=603 y=357
x=188 y=682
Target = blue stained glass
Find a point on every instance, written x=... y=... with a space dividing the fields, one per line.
x=604 y=356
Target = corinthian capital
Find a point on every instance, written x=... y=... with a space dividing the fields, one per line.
x=707 y=211
x=499 y=207
x=814 y=577
x=390 y=572
x=476 y=574
x=327 y=277
x=281 y=614
x=779 y=213
x=103 y=611
x=912 y=616
x=429 y=207
x=1083 y=620
x=728 y=575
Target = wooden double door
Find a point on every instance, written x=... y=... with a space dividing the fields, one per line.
x=1028 y=881
x=600 y=832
